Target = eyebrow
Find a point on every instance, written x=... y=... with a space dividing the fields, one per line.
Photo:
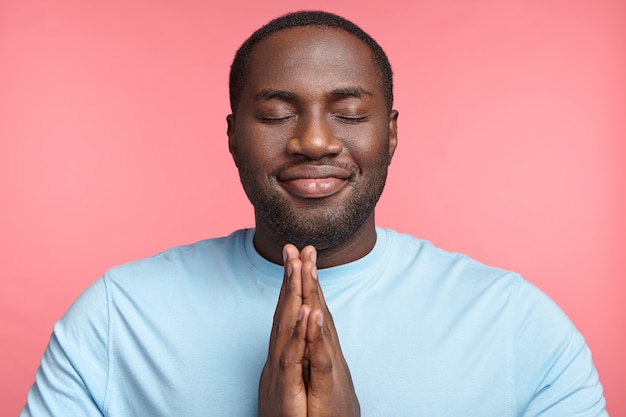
x=269 y=94
x=336 y=94
x=356 y=92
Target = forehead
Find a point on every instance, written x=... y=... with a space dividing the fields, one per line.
x=310 y=57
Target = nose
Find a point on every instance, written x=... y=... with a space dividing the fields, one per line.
x=314 y=139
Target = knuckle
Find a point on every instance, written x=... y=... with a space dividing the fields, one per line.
x=284 y=362
x=323 y=366
x=284 y=328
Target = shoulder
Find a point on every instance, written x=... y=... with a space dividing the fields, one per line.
x=474 y=286
x=552 y=369
x=422 y=257
x=180 y=261
x=166 y=274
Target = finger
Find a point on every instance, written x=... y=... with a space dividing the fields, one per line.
x=281 y=387
x=309 y=253
x=290 y=253
x=305 y=367
x=320 y=360
x=312 y=293
x=289 y=300
x=292 y=281
x=292 y=358
x=310 y=285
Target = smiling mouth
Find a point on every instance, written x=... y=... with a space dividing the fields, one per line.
x=314 y=181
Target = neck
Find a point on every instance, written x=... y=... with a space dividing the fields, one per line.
x=269 y=245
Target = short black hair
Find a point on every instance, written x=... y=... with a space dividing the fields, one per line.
x=239 y=67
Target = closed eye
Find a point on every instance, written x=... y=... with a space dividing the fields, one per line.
x=345 y=118
x=275 y=119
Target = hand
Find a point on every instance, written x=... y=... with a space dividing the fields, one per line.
x=305 y=373
x=329 y=383
x=282 y=391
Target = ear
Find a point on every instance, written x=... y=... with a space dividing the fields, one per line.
x=393 y=133
x=230 y=131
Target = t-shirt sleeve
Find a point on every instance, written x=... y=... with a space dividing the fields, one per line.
x=72 y=377
x=555 y=375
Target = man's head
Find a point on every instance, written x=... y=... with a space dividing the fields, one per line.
x=239 y=68
x=312 y=136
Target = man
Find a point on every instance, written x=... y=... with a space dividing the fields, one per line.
x=423 y=332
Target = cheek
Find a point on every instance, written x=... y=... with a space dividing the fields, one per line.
x=369 y=147
x=257 y=147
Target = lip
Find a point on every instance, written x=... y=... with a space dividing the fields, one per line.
x=314 y=181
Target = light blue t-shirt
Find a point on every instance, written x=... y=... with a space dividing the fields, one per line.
x=424 y=332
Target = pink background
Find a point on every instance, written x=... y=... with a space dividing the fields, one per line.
x=113 y=147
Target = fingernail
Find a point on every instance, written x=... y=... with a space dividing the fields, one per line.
x=284 y=256
x=314 y=256
x=289 y=268
x=320 y=319
x=299 y=314
x=314 y=271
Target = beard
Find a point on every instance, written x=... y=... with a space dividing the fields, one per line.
x=321 y=224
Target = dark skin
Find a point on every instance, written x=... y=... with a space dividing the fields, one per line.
x=305 y=373
x=313 y=132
